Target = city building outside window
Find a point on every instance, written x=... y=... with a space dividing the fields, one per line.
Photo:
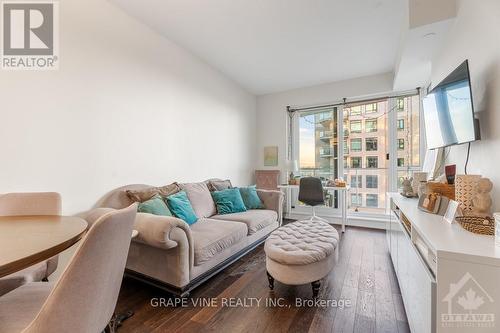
x=356 y=110
x=356 y=162
x=401 y=161
x=356 y=144
x=355 y=126
x=372 y=200
x=371 y=125
x=371 y=181
x=371 y=144
x=371 y=108
x=372 y=162
x=356 y=199
x=401 y=144
x=356 y=181
x=401 y=124
x=401 y=104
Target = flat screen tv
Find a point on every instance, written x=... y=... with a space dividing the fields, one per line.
x=449 y=112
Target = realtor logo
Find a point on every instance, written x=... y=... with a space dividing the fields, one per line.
x=469 y=305
x=30 y=35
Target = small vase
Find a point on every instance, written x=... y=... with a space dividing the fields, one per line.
x=418 y=177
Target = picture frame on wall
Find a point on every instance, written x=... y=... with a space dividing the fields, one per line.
x=271 y=156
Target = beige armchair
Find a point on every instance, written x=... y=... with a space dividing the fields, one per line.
x=16 y=204
x=84 y=298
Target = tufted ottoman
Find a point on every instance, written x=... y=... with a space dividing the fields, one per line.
x=301 y=252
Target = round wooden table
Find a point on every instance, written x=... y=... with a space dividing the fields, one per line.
x=27 y=240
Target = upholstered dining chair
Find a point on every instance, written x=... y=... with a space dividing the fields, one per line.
x=84 y=298
x=311 y=193
x=15 y=204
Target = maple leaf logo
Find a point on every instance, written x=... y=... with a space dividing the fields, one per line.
x=470 y=301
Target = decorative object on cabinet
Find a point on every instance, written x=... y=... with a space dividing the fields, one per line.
x=433 y=203
x=451 y=211
x=483 y=225
x=481 y=203
x=407 y=190
x=271 y=156
x=422 y=189
x=418 y=177
x=441 y=189
x=450 y=171
x=465 y=191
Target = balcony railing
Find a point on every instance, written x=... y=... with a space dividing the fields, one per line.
x=325 y=135
x=326 y=152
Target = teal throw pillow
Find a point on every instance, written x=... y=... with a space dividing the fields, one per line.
x=251 y=198
x=181 y=207
x=155 y=206
x=228 y=201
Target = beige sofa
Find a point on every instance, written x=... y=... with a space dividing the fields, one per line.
x=177 y=257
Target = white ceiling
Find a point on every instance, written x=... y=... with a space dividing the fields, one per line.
x=275 y=45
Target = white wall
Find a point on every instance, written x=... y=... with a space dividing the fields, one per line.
x=126 y=106
x=272 y=116
x=476 y=36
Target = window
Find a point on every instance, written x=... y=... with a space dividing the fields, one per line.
x=401 y=124
x=371 y=181
x=371 y=144
x=401 y=104
x=372 y=200
x=356 y=199
x=372 y=162
x=356 y=144
x=371 y=125
x=356 y=181
x=356 y=110
x=401 y=144
x=371 y=108
x=368 y=127
x=355 y=126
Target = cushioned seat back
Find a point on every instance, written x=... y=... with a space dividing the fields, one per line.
x=84 y=298
x=311 y=191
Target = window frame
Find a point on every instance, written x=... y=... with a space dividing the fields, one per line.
x=371 y=139
x=360 y=126
x=360 y=144
x=367 y=163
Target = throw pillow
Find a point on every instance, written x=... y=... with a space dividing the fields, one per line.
x=219 y=184
x=155 y=206
x=181 y=207
x=229 y=201
x=200 y=199
x=149 y=192
x=251 y=198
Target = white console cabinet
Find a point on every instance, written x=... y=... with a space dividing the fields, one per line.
x=449 y=278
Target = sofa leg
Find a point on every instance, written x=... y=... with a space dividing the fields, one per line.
x=45 y=279
x=271 y=281
x=315 y=287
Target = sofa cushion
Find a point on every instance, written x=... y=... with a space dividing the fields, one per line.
x=200 y=198
x=141 y=195
x=219 y=184
x=251 y=198
x=155 y=206
x=212 y=236
x=229 y=201
x=255 y=219
x=181 y=207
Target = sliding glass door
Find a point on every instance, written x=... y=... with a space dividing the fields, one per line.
x=372 y=144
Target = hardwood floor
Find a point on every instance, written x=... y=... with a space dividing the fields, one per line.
x=363 y=274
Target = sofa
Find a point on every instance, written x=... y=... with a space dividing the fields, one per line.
x=177 y=257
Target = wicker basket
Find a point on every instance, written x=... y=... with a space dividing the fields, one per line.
x=477 y=224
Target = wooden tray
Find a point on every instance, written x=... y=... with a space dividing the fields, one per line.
x=445 y=190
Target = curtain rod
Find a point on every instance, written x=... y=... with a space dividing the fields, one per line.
x=344 y=101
